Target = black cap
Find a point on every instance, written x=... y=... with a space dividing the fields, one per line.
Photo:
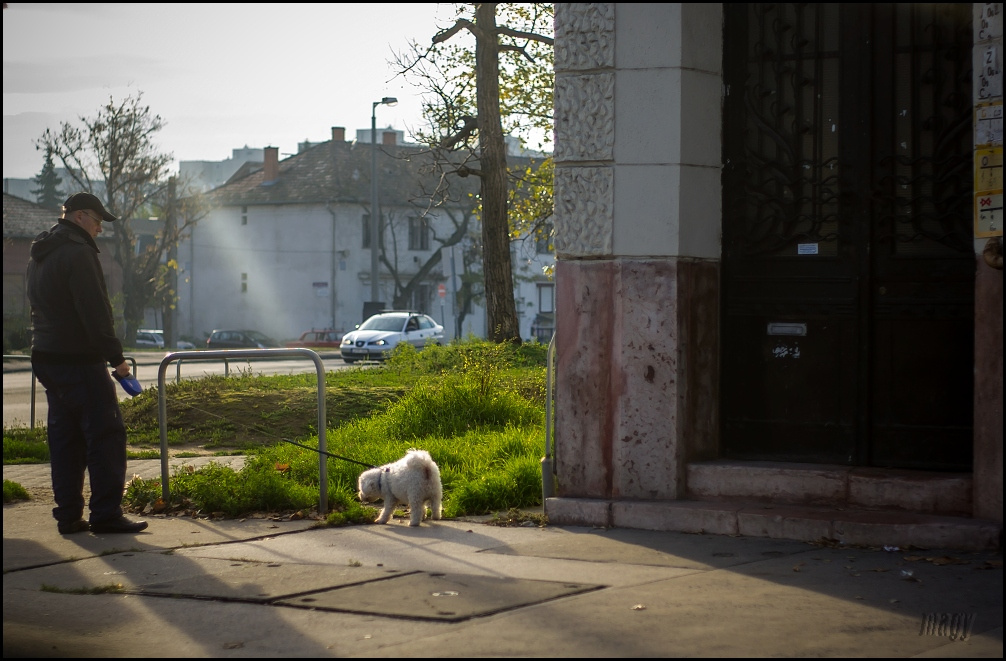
x=82 y=201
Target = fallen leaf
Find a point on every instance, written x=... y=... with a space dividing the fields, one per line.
x=639 y=607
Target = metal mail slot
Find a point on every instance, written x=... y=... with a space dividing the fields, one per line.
x=783 y=328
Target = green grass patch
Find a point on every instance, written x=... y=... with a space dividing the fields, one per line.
x=475 y=406
x=14 y=492
x=24 y=445
x=241 y=413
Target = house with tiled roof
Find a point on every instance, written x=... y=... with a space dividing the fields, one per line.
x=22 y=222
x=286 y=245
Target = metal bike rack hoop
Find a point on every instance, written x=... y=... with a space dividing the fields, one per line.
x=225 y=355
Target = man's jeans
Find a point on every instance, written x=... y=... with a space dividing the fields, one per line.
x=85 y=432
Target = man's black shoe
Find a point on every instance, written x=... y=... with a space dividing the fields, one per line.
x=70 y=527
x=122 y=524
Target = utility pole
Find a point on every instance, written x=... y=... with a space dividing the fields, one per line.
x=168 y=313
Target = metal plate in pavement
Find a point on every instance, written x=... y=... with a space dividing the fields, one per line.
x=436 y=596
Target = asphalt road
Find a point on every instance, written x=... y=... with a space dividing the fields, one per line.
x=17 y=385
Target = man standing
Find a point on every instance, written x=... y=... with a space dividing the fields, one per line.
x=73 y=338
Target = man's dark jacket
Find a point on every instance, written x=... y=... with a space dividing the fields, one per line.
x=70 y=312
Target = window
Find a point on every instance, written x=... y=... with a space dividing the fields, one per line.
x=366 y=232
x=420 y=298
x=244 y=215
x=419 y=234
x=546 y=297
x=244 y=283
x=543 y=325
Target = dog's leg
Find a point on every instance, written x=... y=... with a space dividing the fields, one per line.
x=416 y=512
x=389 y=509
x=436 y=505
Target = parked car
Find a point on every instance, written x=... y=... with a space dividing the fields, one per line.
x=240 y=339
x=147 y=338
x=379 y=334
x=317 y=339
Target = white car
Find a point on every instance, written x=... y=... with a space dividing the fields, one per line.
x=378 y=335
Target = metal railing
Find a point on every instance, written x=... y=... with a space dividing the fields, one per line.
x=547 y=462
x=225 y=354
x=178 y=368
x=33 y=380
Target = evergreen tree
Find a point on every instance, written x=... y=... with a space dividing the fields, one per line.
x=48 y=194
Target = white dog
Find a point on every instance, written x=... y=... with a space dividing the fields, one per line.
x=413 y=480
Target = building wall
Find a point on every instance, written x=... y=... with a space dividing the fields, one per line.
x=289 y=260
x=206 y=175
x=637 y=189
x=987 y=81
x=638 y=150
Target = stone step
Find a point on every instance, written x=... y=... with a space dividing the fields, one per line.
x=851 y=527
x=780 y=483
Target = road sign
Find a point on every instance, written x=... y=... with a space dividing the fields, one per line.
x=441 y=290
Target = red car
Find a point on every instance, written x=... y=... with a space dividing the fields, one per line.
x=317 y=339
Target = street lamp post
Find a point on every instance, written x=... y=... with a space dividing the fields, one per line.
x=374 y=212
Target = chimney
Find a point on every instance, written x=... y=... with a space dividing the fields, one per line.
x=271 y=166
x=338 y=134
x=389 y=139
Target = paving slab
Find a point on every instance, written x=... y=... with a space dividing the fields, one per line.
x=643 y=547
x=226 y=588
x=163 y=573
x=30 y=538
x=438 y=596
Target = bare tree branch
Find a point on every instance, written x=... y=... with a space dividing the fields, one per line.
x=459 y=25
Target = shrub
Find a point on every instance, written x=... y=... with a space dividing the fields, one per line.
x=12 y=492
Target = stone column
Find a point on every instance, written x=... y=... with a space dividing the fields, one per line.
x=638 y=93
x=987 y=80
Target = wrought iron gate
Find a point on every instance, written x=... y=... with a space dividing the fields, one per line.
x=848 y=260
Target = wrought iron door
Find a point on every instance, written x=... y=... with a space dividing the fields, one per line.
x=848 y=261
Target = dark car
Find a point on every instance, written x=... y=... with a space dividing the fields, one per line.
x=240 y=339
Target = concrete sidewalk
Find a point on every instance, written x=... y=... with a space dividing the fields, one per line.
x=259 y=587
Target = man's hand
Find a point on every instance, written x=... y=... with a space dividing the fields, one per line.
x=127 y=380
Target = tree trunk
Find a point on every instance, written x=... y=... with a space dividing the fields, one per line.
x=500 y=306
x=133 y=302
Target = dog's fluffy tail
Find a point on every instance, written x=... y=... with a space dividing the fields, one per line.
x=421 y=459
x=417 y=458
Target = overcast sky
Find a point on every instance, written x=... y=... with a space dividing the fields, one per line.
x=222 y=76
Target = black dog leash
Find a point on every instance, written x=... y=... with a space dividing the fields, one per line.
x=329 y=454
